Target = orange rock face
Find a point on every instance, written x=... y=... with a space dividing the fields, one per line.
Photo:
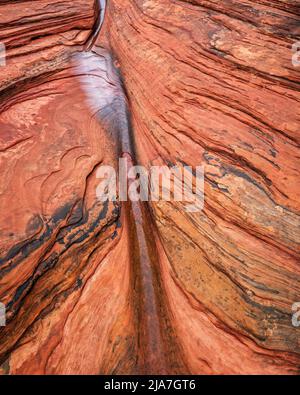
x=119 y=287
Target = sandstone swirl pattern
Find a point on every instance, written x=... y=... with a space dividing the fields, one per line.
x=148 y=288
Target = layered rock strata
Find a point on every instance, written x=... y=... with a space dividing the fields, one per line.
x=147 y=287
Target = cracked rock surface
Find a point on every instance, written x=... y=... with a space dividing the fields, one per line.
x=147 y=287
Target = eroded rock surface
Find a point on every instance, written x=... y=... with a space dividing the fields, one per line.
x=118 y=287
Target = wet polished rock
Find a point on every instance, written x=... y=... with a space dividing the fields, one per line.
x=147 y=287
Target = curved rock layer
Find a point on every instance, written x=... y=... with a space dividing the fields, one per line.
x=136 y=287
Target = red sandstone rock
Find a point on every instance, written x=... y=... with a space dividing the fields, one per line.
x=148 y=287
